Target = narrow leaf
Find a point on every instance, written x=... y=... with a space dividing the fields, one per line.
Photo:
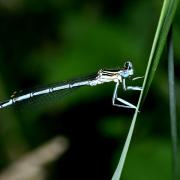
x=165 y=21
x=172 y=106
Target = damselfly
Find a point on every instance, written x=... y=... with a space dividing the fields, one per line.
x=103 y=76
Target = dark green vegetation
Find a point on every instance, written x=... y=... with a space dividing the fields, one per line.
x=49 y=41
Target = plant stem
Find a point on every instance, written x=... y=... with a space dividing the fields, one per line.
x=172 y=105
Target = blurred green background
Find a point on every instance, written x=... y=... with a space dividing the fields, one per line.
x=48 y=41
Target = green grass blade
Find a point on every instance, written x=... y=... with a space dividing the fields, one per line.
x=117 y=173
x=165 y=21
x=172 y=106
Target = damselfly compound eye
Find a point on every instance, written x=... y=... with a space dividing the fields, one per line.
x=128 y=65
x=127 y=70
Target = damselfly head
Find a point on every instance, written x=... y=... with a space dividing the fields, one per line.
x=128 y=65
x=127 y=70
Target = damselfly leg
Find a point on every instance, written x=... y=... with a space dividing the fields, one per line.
x=125 y=104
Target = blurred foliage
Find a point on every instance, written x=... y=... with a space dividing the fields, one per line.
x=42 y=42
